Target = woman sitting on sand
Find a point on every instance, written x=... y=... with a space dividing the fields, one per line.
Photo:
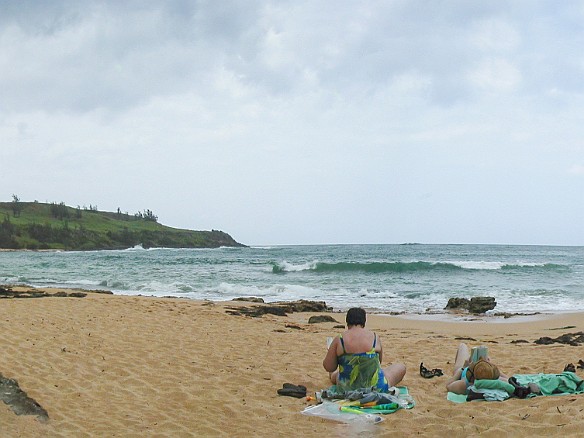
x=357 y=354
x=466 y=372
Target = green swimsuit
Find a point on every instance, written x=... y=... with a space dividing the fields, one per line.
x=360 y=370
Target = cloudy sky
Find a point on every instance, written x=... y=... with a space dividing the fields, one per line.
x=302 y=122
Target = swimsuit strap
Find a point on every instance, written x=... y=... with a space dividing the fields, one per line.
x=342 y=344
x=374 y=340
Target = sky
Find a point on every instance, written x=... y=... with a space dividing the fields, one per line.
x=302 y=122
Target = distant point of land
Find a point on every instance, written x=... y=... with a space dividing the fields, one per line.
x=46 y=226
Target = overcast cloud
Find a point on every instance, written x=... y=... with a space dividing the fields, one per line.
x=300 y=122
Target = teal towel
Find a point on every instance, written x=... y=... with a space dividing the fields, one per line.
x=553 y=384
x=495 y=384
x=456 y=398
x=493 y=390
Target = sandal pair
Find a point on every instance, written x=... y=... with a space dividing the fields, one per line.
x=298 y=391
x=428 y=374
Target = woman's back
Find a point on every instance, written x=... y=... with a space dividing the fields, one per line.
x=359 y=340
x=359 y=365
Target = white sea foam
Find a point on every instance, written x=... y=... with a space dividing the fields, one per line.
x=138 y=247
x=484 y=265
x=276 y=292
x=477 y=264
x=82 y=282
x=290 y=267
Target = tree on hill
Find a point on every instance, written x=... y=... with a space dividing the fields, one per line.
x=59 y=211
x=16 y=206
x=7 y=231
x=148 y=215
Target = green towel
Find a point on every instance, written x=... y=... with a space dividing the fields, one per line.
x=482 y=384
x=495 y=384
x=553 y=384
x=456 y=398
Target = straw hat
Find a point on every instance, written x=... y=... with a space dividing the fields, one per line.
x=484 y=370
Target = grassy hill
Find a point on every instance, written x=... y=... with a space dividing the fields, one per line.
x=34 y=225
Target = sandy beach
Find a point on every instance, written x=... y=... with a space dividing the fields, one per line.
x=108 y=365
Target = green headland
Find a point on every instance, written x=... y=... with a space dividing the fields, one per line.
x=37 y=226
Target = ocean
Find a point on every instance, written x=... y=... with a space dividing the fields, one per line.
x=413 y=278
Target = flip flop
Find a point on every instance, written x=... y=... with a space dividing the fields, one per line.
x=580 y=364
x=428 y=374
x=290 y=390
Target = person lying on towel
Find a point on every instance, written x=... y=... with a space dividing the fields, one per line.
x=466 y=371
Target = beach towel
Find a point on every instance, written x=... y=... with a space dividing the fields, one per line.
x=553 y=384
x=492 y=390
x=550 y=384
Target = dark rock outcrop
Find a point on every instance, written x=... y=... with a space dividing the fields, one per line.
x=457 y=303
x=321 y=318
x=574 y=339
x=249 y=299
x=475 y=305
x=257 y=311
x=7 y=292
x=304 y=306
x=19 y=402
x=481 y=304
x=280 y=308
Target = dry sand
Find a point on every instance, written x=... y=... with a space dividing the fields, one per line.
x=123 y=366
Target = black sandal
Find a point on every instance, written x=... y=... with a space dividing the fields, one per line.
x=297 y=391
x=570 y=367
x=428 y=374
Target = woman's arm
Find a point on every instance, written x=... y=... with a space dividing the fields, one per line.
x=330 y=361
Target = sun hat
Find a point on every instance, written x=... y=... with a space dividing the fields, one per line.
x=484 y=370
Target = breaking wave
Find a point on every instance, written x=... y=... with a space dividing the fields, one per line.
x=418 y=266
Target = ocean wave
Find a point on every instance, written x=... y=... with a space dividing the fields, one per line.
x=138 y=247
x=536 y=266
x=278 y=268
x=368 y=267
x=416 y=266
